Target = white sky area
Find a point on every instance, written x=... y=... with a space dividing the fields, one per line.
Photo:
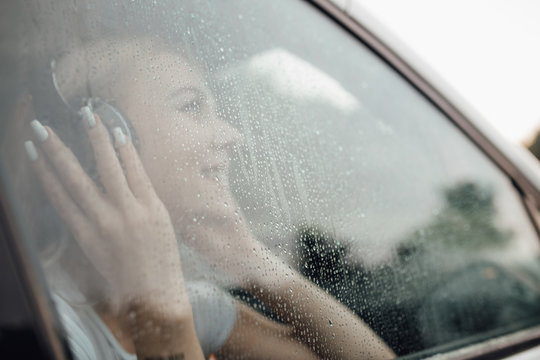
x=488 y=50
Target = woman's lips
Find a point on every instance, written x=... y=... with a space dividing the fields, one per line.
x=217 y=171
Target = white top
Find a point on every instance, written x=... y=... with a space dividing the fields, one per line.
x=214 y=313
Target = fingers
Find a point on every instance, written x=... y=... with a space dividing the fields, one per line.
x=69 y=172
x=109 y=168
x=136 y=175
x=66 y=207
x=120 y=188
x=116 y=183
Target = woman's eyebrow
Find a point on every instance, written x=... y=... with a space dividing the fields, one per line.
x=183 y=90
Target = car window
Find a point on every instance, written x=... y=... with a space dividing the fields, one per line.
x=318 y=203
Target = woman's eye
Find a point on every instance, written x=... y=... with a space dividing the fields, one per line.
x=191 y=106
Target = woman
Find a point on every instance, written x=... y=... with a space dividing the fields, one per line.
x=126 y=221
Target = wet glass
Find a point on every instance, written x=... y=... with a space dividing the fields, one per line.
x=282 y=161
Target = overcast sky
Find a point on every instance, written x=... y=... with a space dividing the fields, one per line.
x=489 y=50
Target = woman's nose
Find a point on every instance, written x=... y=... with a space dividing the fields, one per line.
x=227 y=136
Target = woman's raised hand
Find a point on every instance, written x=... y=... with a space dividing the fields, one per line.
x=124 y=229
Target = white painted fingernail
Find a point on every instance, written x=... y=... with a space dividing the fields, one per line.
x=119 y=137
x=88 y=117
x=39 y=130
x=31 y=150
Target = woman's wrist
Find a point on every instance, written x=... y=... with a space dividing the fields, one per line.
x=156 y=283
x=157 y=306
x=161 y=329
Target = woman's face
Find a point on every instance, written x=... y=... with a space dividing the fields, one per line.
x=184 y=145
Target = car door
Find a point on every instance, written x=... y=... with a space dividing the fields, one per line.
x=353 y=170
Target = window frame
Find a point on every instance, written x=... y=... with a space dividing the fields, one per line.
x=526 y=186
x=38 y=314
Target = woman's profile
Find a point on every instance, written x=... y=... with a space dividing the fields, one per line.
x=127 y=203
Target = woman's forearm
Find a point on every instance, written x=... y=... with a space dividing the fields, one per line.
x=328 y=327
x=162 y=333
x=255 y=336
x=319 y=320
